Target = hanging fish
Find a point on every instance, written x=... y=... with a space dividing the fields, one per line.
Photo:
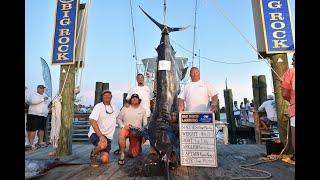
x=162 y=130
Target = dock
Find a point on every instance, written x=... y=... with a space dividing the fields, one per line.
x=229 y=159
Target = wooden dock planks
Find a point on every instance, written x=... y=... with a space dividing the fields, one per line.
x=229 y=159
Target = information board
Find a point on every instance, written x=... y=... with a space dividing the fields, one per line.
x=197 y=139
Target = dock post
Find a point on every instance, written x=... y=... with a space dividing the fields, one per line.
x=105 y=86
x=124 y=98
x=67 y=110
x=279 y=62
x=228 y=99
x=67 y=75
x=262 y=89
x=217 y=114
x=257 y=126
x=255 y=88
x=98 y=91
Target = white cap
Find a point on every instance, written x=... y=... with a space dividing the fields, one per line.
x=270 y=96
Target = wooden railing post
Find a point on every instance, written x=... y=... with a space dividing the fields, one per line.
x=230 y=117
x=257 y=126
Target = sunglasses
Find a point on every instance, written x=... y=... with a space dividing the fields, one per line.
x=111 y=110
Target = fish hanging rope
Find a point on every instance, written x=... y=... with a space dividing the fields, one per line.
x=55 y=121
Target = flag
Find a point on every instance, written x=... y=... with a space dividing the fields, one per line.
x=46 y=77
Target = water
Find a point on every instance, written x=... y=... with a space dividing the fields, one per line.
x=223 y=117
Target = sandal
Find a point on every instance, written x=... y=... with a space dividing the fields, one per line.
x=93 y=160
x=121 y=161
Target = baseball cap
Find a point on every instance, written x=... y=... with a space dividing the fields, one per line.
x=106 y=91
x=41 y=86
x=135 y=96
x=270 y=96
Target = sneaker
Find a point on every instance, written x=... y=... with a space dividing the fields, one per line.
x=93 y=159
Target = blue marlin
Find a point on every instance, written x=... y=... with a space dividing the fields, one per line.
x=162 y=130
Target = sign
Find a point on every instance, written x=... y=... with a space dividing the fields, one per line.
x=64 y=37
x=277 y=26
x=197 y=139
x=164 y=65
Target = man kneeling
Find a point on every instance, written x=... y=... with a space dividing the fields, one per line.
x=134 y=115
x=103 y=124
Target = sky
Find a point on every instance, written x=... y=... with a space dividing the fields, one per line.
x=110 y=50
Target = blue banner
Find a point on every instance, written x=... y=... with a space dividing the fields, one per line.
x=277 y=27
x=46 y=77
x=64 y=38
x=197 y=118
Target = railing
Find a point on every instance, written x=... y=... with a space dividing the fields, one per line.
x=80 y=127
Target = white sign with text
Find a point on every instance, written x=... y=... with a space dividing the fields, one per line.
x=197 y=139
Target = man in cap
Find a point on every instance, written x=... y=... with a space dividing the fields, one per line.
x=136 y=116
x=37 y=116
x=102 y=127
x=146 y=95
x=269 y=106
x=288 y=93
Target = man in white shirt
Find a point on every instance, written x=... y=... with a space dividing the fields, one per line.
x=236 y=112
x=196 y=95
x=37 y=116
x=136 y=116
x=146 y=96
x=269 y=106
x=144 y=93
x=103 y=124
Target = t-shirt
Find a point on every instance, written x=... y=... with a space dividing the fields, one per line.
x=270 y=107
x=236 y=110
x=288 y=82
x=145 y=94
x=196 y=96
x=247 y=106
x=134 y=116
x=37 y=105
x=106 y=122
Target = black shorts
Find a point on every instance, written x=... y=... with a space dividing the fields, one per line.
x=94 y=139
x=35 y=122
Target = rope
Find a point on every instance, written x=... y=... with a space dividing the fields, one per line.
x=202 y=57
x=194 y=30
x=242 y=35
x=265 y=161
x=134 y=38
x=64 y=82
x=164 y=11
x=83 y=29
